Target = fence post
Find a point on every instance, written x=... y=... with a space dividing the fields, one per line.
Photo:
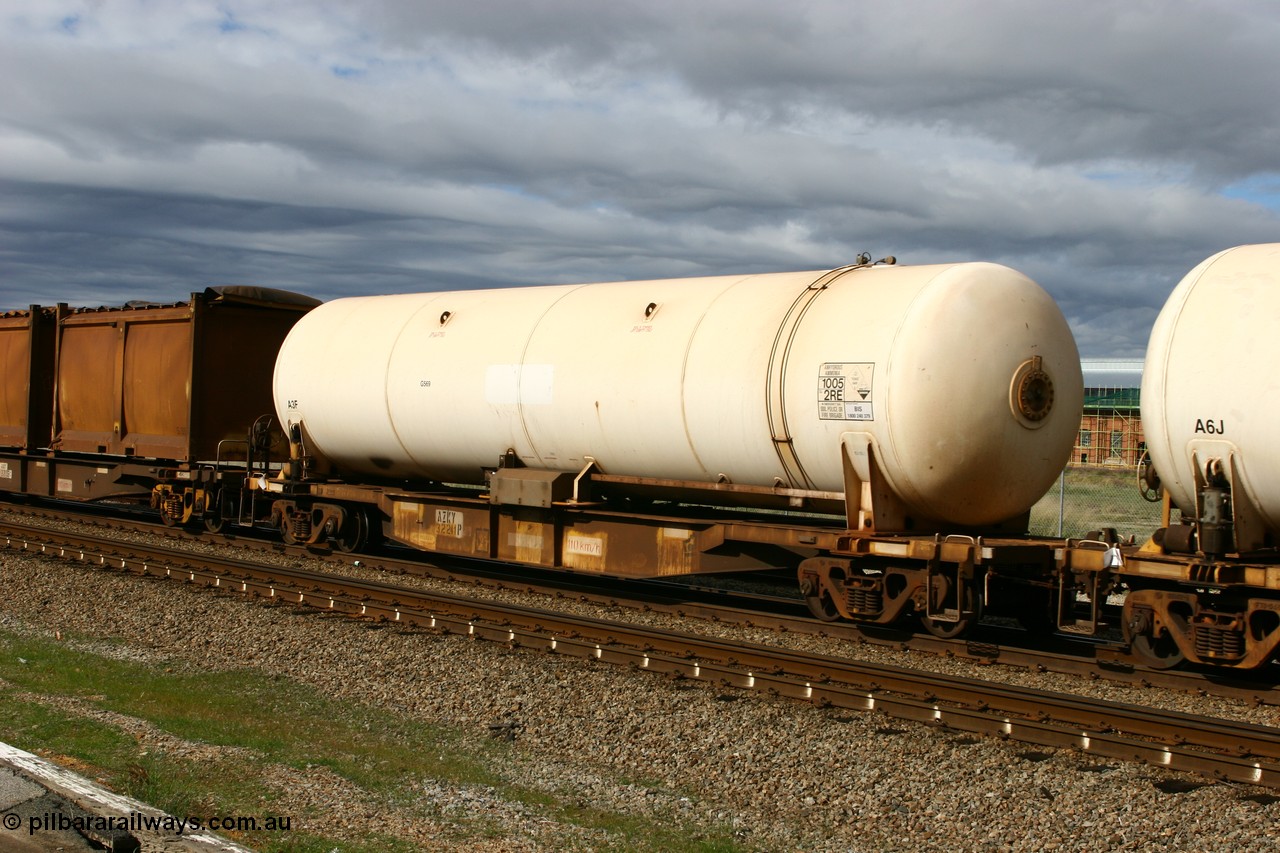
x=1062 y=499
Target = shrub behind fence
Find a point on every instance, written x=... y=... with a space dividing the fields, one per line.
x=1088 y=498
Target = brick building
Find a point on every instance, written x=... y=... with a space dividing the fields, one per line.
x=1111 y=428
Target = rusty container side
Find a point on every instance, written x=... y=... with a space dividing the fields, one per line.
x=110 y=362
x=238 y=336
x=15 y=361
x=169 y=381
x=155 y=395
x=26 y=395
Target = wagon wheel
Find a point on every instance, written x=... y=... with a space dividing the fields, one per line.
x=213 y=516
x=948 y=630
x=1158 y=653
x=1154 y=652
x=822 y=607
x=818 y=599
x=1149 y=485
x=354 y=534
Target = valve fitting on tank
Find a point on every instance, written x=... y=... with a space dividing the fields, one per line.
x=863 y=259
x=1031 y=393
x=1217 y=531
x=299 y=466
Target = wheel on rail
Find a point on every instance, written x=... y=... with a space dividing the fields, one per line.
x=822 y=607
x=1158 y=653
x=1152 y=650
x=214 y=523
x=945 y=630
x=354 y=534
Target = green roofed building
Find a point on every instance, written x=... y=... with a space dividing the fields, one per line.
x=1111 y=428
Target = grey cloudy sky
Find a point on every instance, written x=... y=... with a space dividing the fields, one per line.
x=149 y=148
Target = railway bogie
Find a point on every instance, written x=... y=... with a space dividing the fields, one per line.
x=947 y=583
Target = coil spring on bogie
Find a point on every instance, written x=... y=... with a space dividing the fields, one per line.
x=868 y=602
x=173 y=506
x=300 y=526
x=1214 y=642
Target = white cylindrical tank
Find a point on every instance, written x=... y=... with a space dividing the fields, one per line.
x=1209 y=386
x=963 y=379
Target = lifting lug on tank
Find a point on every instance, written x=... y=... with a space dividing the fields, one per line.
x=301 y=466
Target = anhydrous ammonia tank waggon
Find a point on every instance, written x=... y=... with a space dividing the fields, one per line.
x=960 y=381
x=1211 y=401
x=1206 y=587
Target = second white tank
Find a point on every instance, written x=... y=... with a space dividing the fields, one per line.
x=1210 y=388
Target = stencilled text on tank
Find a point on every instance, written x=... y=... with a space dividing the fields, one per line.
x=844 y=391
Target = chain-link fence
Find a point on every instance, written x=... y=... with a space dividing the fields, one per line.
x=1088 y=497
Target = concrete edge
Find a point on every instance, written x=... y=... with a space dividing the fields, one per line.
x=99 y=801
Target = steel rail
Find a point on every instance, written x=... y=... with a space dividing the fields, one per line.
x=1232 y=751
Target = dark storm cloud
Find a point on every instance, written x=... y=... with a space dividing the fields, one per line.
x=1063 y=82
x=1104 y=149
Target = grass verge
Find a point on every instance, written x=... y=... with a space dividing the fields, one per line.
x=263 y=722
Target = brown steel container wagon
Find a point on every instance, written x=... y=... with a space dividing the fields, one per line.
x=142 y=394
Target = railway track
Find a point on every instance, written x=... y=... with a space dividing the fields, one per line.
x=1219 y=749
x=989 y=645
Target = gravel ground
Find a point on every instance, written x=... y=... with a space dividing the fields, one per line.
x=781 y=775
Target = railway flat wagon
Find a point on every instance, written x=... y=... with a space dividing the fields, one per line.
x=898 y=422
